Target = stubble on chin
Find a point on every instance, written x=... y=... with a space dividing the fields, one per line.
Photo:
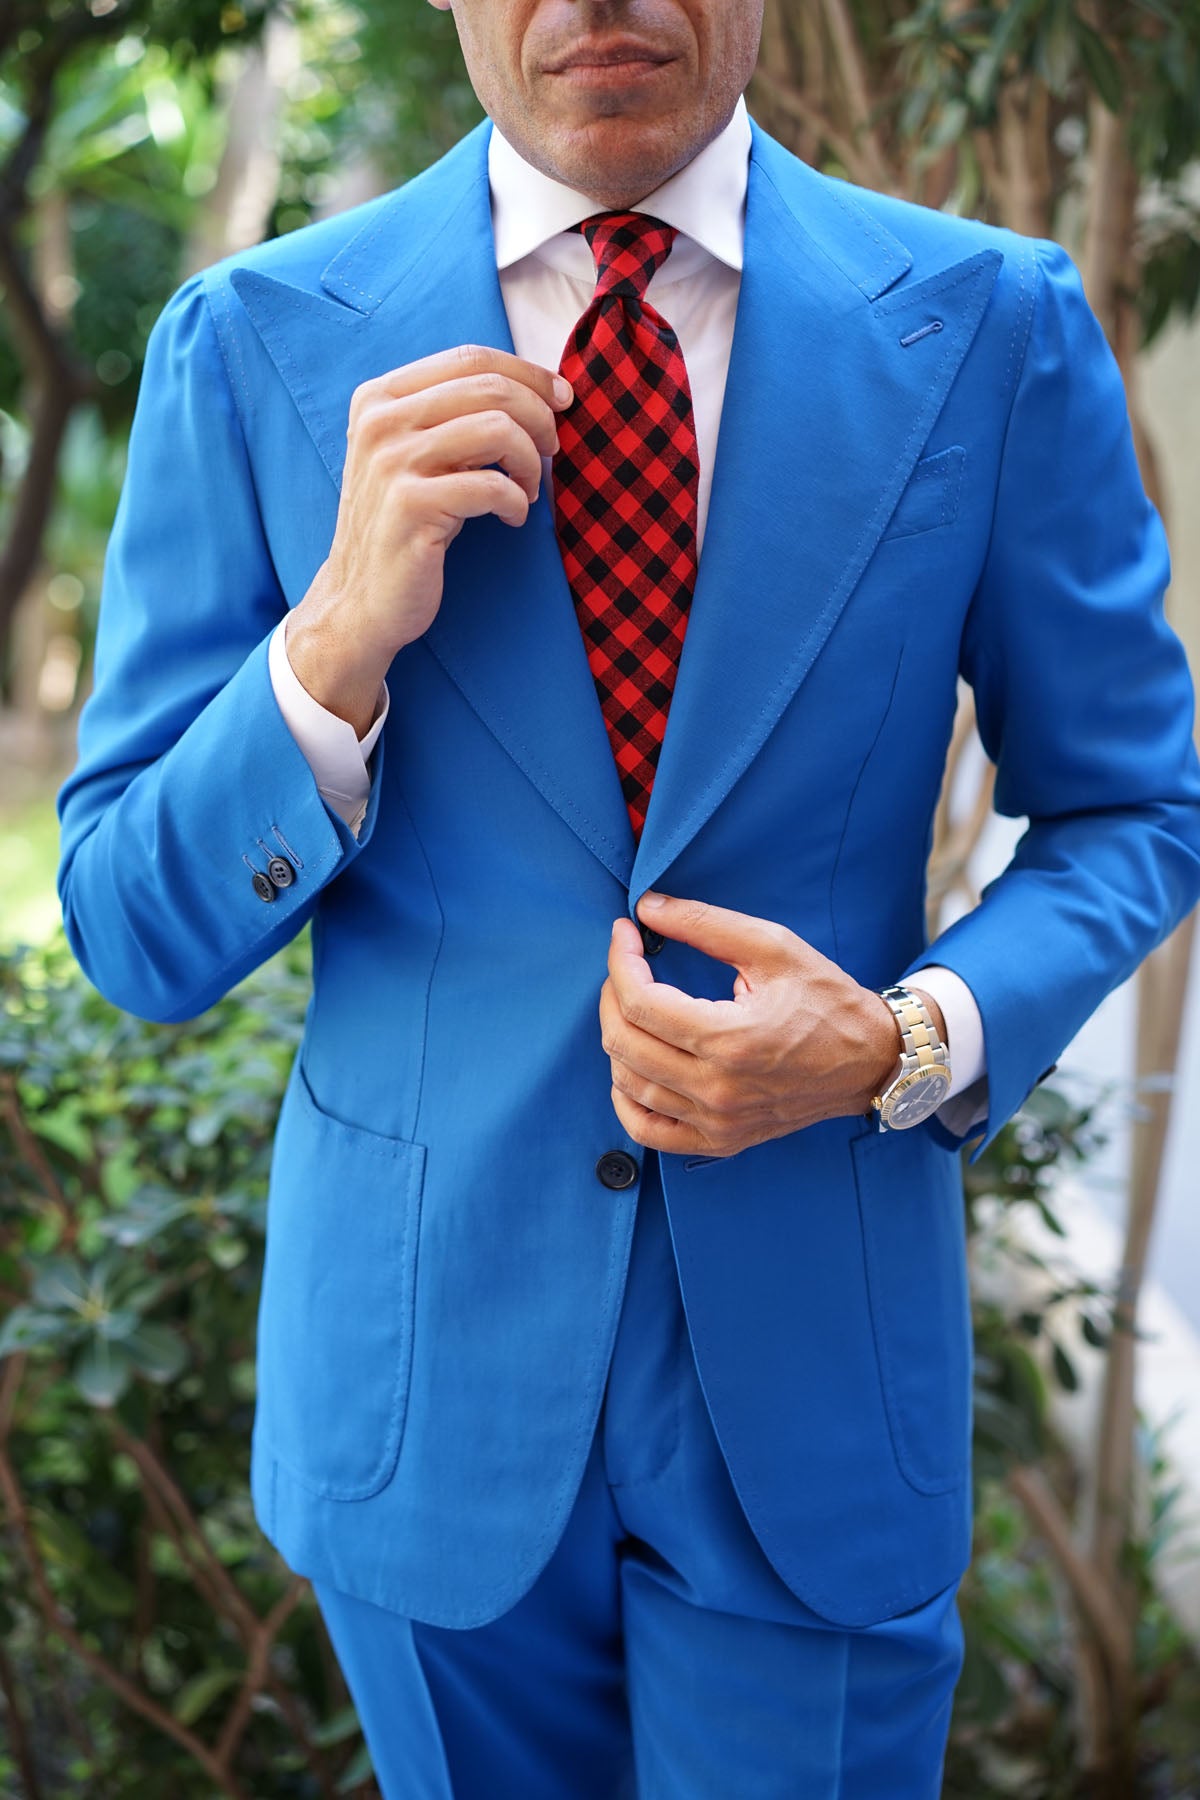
x=615 y=160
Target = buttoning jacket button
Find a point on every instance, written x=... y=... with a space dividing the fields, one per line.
x=617 y=1169
x=281 y=871
x=264 y=887
x=652 y=941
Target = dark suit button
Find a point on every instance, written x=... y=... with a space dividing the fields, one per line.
x=652 y=941
x=264 y=887
x=616 y=1169
x=281 y=871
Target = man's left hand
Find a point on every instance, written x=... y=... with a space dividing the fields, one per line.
x=798 y=1041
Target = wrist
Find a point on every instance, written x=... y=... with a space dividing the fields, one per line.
x=882 y=1044
x=331 y=668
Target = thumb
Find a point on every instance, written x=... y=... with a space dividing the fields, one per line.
x=627 y=953
x=750 y=945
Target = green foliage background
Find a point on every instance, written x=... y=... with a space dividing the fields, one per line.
x=132 y=150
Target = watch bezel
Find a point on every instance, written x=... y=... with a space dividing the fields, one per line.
x=935 y=1073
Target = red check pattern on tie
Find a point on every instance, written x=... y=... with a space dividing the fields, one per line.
x=626 y=479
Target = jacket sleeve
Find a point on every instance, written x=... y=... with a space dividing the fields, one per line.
x=1085 y=705
x=188 y=779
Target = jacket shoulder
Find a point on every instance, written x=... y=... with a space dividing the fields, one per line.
x=939 y=240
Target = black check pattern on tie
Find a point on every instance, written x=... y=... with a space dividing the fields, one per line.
x=626 y=479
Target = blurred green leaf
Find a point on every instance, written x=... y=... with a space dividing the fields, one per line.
x=197 y=1695
x=157 y=1351
x=1103 y=69
x=102 y=1372
x=336 y=1729
x=24 y=1328
x=357 y=1771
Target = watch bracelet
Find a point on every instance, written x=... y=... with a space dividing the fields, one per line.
x=921 y=1043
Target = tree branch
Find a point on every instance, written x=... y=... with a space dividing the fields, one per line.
x=58 y=386
x=159 y=1481
x=1161 y=988
x=1022 y=129
x=18 y=1730
x=58 y=1621
x=792 y=102
x=257 y=1669
x=28 y=1147
x=1108 y=226
x=12 y=1373
x=1093 y=1598
x=853 y=72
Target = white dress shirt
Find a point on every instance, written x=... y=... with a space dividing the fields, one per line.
x=547 y=277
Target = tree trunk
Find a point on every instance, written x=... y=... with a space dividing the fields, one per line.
x=55 y=387
x=237 y=211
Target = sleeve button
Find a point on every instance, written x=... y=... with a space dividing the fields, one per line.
x=281 y=871
x=264 y=887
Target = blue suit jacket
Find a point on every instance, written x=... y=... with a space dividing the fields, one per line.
x=925 y=469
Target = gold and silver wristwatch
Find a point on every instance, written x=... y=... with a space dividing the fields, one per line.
x=921 y=1079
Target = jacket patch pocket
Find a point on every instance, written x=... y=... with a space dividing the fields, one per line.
x=932 y=495
x=336 y=1308
x=911 y=1207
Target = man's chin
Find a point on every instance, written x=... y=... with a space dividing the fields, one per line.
x=617 y=157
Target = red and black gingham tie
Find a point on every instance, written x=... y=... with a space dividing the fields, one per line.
x=626 y=476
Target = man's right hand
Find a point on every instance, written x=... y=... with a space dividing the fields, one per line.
x=420 y=443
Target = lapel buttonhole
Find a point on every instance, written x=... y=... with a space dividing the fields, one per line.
x=914 y=337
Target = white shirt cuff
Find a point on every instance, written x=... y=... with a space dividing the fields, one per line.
x=335 y=753
x=965 y=1105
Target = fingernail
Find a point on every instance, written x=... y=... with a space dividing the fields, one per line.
x=563 y=391
x=652 y=900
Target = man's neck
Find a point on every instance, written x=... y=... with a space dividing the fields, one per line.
x=705 y=198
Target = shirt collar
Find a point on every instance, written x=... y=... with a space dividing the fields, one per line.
x=705 y=200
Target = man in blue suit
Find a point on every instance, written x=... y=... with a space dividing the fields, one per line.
x=614 y=1344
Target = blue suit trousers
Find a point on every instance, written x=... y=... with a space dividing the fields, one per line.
x=657 y=1654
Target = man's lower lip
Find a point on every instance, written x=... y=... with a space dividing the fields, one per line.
x=600 y=74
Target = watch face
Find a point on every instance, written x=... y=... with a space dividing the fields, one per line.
x=914 y=1097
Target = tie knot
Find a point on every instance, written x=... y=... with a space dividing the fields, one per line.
x=629 y=249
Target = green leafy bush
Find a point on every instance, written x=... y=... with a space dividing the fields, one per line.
x=156 y=1644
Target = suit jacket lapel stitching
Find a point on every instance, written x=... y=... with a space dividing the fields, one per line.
x=944 y=283
x=895 y=256
x=336 y=281
x=895 y=262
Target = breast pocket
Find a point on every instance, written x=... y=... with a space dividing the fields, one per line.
x=932 y=496
x=336 y=1308
x=911 y=1207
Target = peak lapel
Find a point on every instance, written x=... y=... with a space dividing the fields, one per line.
x=421 y=277
x=824 y=417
